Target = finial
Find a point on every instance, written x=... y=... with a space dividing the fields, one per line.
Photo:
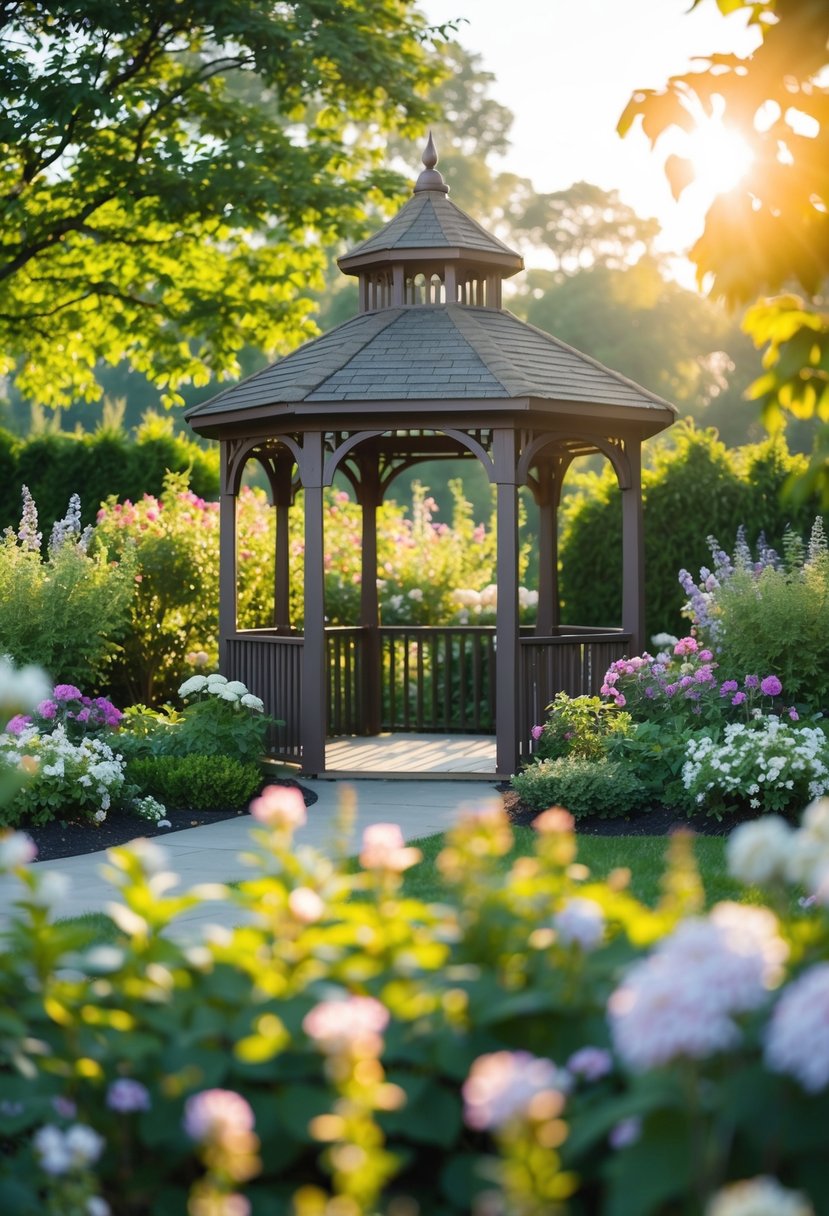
x=430 y=178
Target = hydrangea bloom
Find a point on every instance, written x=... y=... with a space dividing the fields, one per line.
x=797 y=1036
x=580 y=922
x=60 y=1152
x=682 y=1000
x=503 y=1085
x=215 y=1114
x=353 y=1024
x=127 y=1096
x=758 y=852
x=761 y=1196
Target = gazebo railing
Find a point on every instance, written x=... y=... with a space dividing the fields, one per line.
x=574 y=661
x=432 y=679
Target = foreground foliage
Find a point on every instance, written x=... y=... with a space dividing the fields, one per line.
x=349 y=1048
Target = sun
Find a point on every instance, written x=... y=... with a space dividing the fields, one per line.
x=719 y=155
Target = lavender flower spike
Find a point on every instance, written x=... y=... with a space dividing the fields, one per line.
x=28 y=534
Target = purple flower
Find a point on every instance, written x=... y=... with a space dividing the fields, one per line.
x=727 y=687
x=670 y=689
x=793 y=714
x=738 y=698
x=706 y=656
x=64 y=1107
x=17 y=724
x=650 y=692
x=626 y=1132
x=751 y=682
x=537 y=732
x=215 y=1113
x=47 y=709
x=591 y=1063
x=771 y=687
x=126 y=1096
x=66 y=692
x=82 y=715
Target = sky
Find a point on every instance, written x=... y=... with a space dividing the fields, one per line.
x=566 y=70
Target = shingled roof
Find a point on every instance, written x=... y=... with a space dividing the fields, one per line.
x=451 y=353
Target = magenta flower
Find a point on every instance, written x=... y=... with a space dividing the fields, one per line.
x=537 y=732
x=727 y=687
x=17 y=724
x=751 y=682
x=771 y=687
x=706 y=656
x=47 y=709
x=738 y=698
x=793 y=714
x=686 y=646
x=66 y=692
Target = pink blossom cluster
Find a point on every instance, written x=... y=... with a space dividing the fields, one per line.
x=384 y=848
x=216 y=1115
x=68 y=706
x=503 y=1085
x=683 y=999
x=353 y=1025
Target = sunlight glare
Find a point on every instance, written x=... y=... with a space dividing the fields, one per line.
x=720 y=157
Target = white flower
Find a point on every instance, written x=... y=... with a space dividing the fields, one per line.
x=797 y=1036
x=251 y=702
x=507 y=1085
x=762 y=1196
x=21 y=690
x=416 y=594
x=194 y=684
x=84 y=1144
x=238 y=687
x=60 y=1152
x=580 y=922
x=226 y=693
x=50 y=888
x=214 y=679
x=16 y=849
x=96 y=1206
x=758 y=852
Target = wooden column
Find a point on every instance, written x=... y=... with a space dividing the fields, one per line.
x=507 y=671
x=227 y=559
x=633 y=551
x=548 y=497
x=282 y=565
x=369 y=499
x=314 y=717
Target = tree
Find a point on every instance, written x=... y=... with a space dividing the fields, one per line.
x=156 y=205
x=766 y=242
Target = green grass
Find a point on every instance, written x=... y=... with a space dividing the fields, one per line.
x=644 y=856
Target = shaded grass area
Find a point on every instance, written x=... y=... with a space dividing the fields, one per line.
x=644 y=856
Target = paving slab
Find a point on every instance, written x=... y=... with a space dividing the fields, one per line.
x=210 y=853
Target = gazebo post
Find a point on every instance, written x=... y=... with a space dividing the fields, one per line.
x=314 y=714
x=548 y=498
x=633 y=550
x=507 y=669
x=282 y=570
x=227 y=557
x=369 y=498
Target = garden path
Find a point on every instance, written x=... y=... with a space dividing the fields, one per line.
x=209 y=853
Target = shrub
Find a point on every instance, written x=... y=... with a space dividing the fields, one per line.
x=607 y=788
x=538 y=1034
x=694 y=487
x=66 y=611
x=770 y=765
x=768 y=613
x=578 y=726
x=70 y=780
x=66 y=706
x=194 y=782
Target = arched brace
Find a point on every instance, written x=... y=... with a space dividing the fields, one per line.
x=339 y=454
x=238 y=458
x=614 y=453
x=475 y=448
x=539 y=488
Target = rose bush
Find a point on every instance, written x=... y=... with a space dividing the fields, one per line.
x=537 y=1039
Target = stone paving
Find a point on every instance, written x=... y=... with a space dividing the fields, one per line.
x=210 y=853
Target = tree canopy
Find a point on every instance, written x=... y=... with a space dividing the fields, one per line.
x=766 y=242
x=170 y=174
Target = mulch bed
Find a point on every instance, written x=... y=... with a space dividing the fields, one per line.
x=59 y=839
x=657 y=821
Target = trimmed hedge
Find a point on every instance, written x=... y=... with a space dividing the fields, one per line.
x=695 y=488
x=196 y=783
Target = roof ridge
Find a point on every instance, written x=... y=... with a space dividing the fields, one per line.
x=438 y=205
x=468 y=327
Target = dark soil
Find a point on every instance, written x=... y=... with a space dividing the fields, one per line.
x=656 y=821
x=59 y=839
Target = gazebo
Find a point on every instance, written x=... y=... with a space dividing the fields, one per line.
x=431 y=367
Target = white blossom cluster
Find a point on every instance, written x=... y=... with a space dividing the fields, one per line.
x=761 y=1196
x=756 y=758
x=477 y=602
x=21 y=689
x=683 y=999
x=769 y=850
x=215 y=685
x=61 y=1152
x=86 y=774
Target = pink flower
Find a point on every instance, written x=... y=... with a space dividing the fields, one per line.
x=793 y=714
x=280 y=806
x=214 y=1114
x=305 y=905
x=17 y=724
x=621 y=700
x=706 y=656
x=66 y=692
x=538 y=731
x=504 y=1086
x=353 y=1025
x=47 y=709
x=771 y=687
x=384 y=848
x=686 y=646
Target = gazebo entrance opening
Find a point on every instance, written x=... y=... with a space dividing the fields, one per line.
x=431 y=367
x=424 y=681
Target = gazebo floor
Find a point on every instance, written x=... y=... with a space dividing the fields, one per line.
x=442 y=757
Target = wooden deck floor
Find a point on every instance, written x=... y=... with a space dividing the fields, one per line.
x=406 y=754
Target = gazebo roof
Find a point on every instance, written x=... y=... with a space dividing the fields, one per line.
x=451 y=352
